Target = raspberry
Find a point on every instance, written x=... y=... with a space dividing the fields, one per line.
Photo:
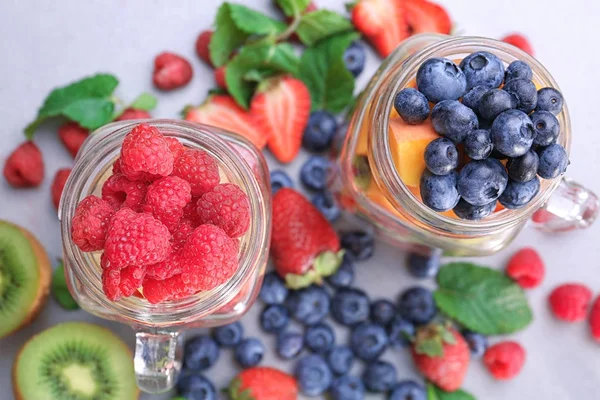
x=171 y=71
x=116 y=168
x=72 y=136
x=110 y=283
x=570 y=302
x=145 y=154
x=504 y=360
x=165 y=269
x=527 y=268
x=58 y=185
x=227 y=207
x=202 y=46
x=199 y=169
x=182 y=232
x=119 y=192
x=90 y=223
x=220 y=77
x=157 y=291
x=166 y=198
x=136 y=239
x=175 y=146
x=132 y=113
x=595 y=320
x=190 y=213
x=117 y=283
x=24 y=167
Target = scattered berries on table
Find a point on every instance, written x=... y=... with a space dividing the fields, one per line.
x=478 y=343
x=350 y=306
x=504 y=360
x=58 y=185
x=379 y=376
x=228 y=335
x=132 y=113
x=520 y=41
x=594 y=320
x=249 y=352
x=412 y=106
x=274 y=318
x=347 y=387
x=355 y=58
x=319 y=131
x=319 y=338
x=202 y=43
x=570 y=302
x=90 y=223
x=313 y=173
x=308 y=306
x=171 y=71
x=24 y=167
x=424 y=266
x=344 y=276
x=416 y=305
x=280 y=179
x=72 y=137
x=196 y=387
x=220 y=79
x=368 y=341
x=201 y=353
x=400 y=332
x=313 y=375
x=359 y=245
x=289 y=344
x=273 y=290
x=120 y=192
x=263 y=383
x=527 y=268
x=340 y=359
x=382 y=312
x=407 y=390
x=325 y=202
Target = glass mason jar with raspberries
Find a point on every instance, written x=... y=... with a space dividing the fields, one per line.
x=406 y=172
x=205 y=223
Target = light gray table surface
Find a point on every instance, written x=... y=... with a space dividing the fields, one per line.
x=47 y=44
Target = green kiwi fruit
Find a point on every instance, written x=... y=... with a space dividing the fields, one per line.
x=74 y=361
x=25 y=276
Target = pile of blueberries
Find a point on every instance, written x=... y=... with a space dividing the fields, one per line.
x=502 y=116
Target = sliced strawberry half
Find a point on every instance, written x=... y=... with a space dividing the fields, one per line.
x=425 y=16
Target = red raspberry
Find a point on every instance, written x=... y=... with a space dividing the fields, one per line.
x=199 y=169
x=132 y=113
x=121 y=192
x=165 y=269
x=72 y=136
x=202 y=46
x=175 y=146
x=227 y=207
x=58 y=185
x=182 y=232
x=116 y=168
x=171 y=71
x=131 y=279
x=527 y=268
x=570 y=302
x=504 y=360
x=111 y=278
x=24 y=167
x=190 y=213
x=90 y=223
x=520 y=41
x=136 y=239
x=117 y=282
x=595 y=319
x=166 y=198
x=145 y=154
x=158 y=291
x=220 y=77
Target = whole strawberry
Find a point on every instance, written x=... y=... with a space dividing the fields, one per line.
x=263 y=383
x=304 y=246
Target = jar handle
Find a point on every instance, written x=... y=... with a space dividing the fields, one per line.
x=157 y=360
x=570 y=207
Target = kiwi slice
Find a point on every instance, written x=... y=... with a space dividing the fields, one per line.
x=25 y=276
x=74 y=361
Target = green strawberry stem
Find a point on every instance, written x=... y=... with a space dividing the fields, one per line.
x=285 y=35
x=430 y=339
x=324 y=265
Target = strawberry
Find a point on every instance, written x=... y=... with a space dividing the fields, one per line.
x=442 y=355
x=383 y=22
x=202 y=46
x=263 y=383
x=520 y=41
x=425 y=16
x=223 y=112
x=281 y=107
x=304 y=246
x=220 y=77
x=72 y=136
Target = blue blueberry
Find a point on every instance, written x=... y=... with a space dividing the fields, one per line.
x=519 y=194
x=249 y=352
x=368 y=341
x=478 y=144
x=408 y=390
x=319 y=131
x=196 y=387
x=497 y=155
x=485 y=124
x=549 y=99
x=380 y=376
x=313 y=375
x=412 y=106
x=359 y=245
x=280 y=179
x=416 y=305
x=518 y=70
x=452 y=119
x=273 y=290
x=546 y=127
x=495 y=102
x=512 y=133
x=478 y=343
x=347 y=387
x=524 y=168
x=319 y=338
x=350 y=306
x=355 y=58
x=482 y=182
x=400 y=332
x=441 y=156
x=483 y=69
x=439 y=191
x=274 y=317
x=424 y=266
x=553 y=161
x=525 y=92
x=344 y=276
x=289 y=344
x=325 y=202
x=340 y=137
x=382 y=311
x=201 y=353
x=308 y=306
x=473 y=97
x=440 y=79
x=313 y=173
x=470 y=212
x=228 y=335
x=340 y=359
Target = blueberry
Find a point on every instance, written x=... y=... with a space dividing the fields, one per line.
x=340 y=137
x=495 y=102
x=482 y=69
x=482 y=182
x=368 y=341
x=525 y=92
x=400 y=332
x=319 y=338
x=359 y=245
x=228 y=335
x=273 y=290
x=308 y=306
x=350 y=306
x=470 y=212
x=325 y=203
x=518 y=194
x=553 y=161
x=497 y=155
x=412 y=106
x=518 y=70
x=249 y=352
x=289 y=344
x=416 y=305
x=279 y=179
x=196 y=387
x=201 y=353
x=344 y=276
x=439 y=191
x=473 y=97
x=340 y=359
x=452 y=119
x=512 y=133
x=549 y=99
x=485 y=123
x=347 y=387
x=546 y=126
x=408 y=390
x=380 y=376
x=274 y=318
x=319 y=132
x=313 y=375
x=478 y=144
x=354 y=58
x=440 y=79
x=524 y=168
x=441 y=156
x=477 y=343
x=424 y=266
x=313 y=173
x=382 y=311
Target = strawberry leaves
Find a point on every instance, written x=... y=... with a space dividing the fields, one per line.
x=293 y=7
x=435 y=393
x=320 y=24
x=144 y=101
x=60 y=291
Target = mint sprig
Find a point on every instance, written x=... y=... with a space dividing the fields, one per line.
x=293 y=7
x=60 y=291
x=145 y=102
x=321 y=24
x=435 y=393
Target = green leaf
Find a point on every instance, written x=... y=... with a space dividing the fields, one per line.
x=482 y=299
x=435 y=393
x=144 y=101
x=226 y=38
x=293 y=7
x=253 y=22
x=323 y=71
x=432 y=347
x=320 y=24
x=90 y=113
x=259 y=74
x=60 y=291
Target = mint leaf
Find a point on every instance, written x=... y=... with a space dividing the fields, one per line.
x=60 y=291
x=293 y=7
x=253 y=22
x=482 y=299
x=259 y=74
x=90 y=113
x=320 y=24
x=226 y=38
x=144 y=101
x=435 y=393
x=323 y=71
